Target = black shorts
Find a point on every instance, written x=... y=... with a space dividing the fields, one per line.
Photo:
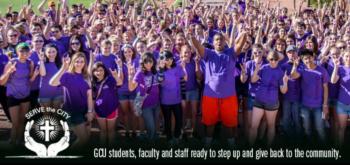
x=11 y=101
x=267 y=107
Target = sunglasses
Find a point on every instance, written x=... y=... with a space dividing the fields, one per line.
x=148 y=62
x=341 y=47
x=39 y=41
x=75 y=43
x=55 y=31
x=13 y=35
x=164 y=58
x=273 y=59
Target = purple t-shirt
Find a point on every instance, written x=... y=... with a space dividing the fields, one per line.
x=344 y=91
x=219 y=71
x=312 y=81
x=35 y=58
x=3 y=61
x=333 y=89
x=107 y=101
x=108 y=61
x=270 y=81
x=75 y=92
x=293 y=93
x=145 y=83
x=18 y=84
x=171 y=91
x=46 y=90
x=191 y=83
x=124 y=88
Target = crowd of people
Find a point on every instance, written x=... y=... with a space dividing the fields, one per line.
x=148 y=66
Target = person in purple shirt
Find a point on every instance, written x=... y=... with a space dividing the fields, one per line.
x=334 y=53
x=341 y=74
x=272 y=80
x=126 y=97
x=291 y=122
x=219 y=96
x=247 y=70
x=37 y=46
x=191 y=95
x=170 y=76
x=73 y=76
x=106 y=57
x=314 y=87
x=17 y=75
x=49 y=64
x=4 y=59
x=104 y=89
x=146 y=82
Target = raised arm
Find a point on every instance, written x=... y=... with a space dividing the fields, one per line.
x=55 y=80
x=199 y=47
x=41 y=6
x=9 y=69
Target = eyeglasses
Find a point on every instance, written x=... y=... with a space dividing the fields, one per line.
x=13 y=35
x=123 y=19
x=259 y=52
x=55 y=31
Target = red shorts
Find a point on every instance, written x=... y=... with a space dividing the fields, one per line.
x=220 y=109
x=113 y=115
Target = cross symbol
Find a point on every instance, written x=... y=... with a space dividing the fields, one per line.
x=47 y=128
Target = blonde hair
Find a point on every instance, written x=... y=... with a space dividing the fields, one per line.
x=71 y=68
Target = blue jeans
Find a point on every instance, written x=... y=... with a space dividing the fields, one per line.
x=291 y=122
x=150 y=117
x=316 y=113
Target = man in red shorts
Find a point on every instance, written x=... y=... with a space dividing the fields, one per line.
x=219 y=101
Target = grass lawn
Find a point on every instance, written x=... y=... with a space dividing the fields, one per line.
x=17 y=4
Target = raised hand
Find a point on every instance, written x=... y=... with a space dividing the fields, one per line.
x=12 y=68
x=36 y=71
x=66 y=62
x=31 y=144
x=119 y=63
x=296 y=61
x=113 y=72
x=336 y=61
x=131 y=70
x=62 y=144
x=41 y=56
x=285 y=77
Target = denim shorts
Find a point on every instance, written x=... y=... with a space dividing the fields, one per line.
x=129 y=96
x=250 y=103
x=77 y=117
x=50 y=99
x=267 y=107
x=192 y=95
x=332 y=102
x=343 y=109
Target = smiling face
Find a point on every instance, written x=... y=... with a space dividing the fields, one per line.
x=23 y=54
x=75 y=44
x=51 y=54
x=38 y=42
x=79 y=64
x=185 y=53
x=219 y=43
x=308 y=60
x=106 y=48
x=99 y=73
x=128 y=53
